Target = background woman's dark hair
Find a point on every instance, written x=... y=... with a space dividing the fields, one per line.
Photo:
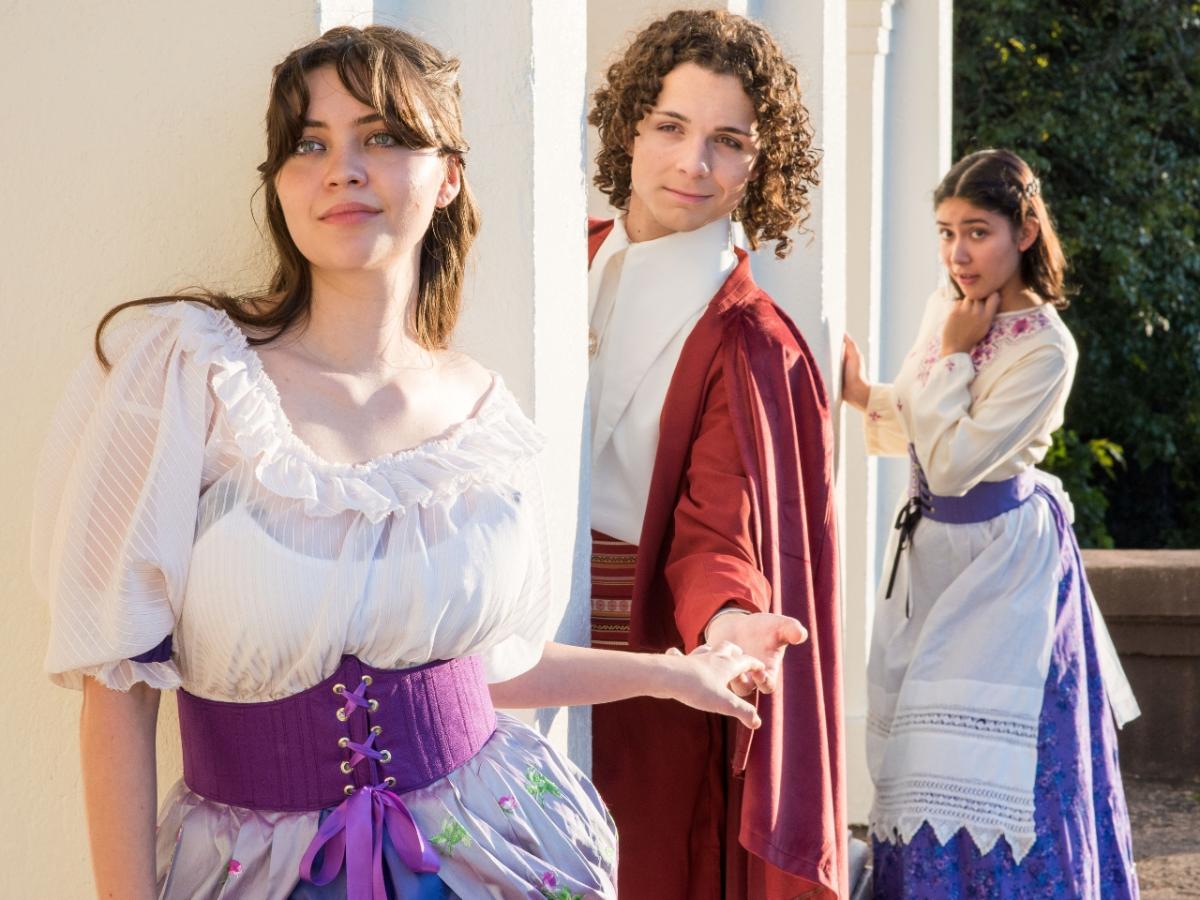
x=415 y=89
x=776 y=199
x=1001 y=182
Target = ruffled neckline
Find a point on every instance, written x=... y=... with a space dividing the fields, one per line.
x=485 y=448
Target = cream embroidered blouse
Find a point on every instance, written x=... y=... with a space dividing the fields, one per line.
x=980 y=416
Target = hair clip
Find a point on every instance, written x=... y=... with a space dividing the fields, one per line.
x=1032 y=189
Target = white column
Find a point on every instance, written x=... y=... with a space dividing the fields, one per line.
x=811 y=283
x=868 y=41
x=332 y=13
x=917 y=141
x=525 y=311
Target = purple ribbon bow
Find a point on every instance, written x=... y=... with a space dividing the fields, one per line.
x=361 y=822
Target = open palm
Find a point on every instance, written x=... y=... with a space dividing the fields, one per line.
x=764 y=636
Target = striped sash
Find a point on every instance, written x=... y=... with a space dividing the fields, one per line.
x=613 y=564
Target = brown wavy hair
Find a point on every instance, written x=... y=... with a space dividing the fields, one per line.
x=777 y=198
x=415 y=89
x=1001 y=182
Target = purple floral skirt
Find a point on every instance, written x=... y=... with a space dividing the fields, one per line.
x=1083 y=848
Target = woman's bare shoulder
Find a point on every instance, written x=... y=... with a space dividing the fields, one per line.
x=465 y=375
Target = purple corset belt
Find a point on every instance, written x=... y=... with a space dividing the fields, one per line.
x=354 y=742
x=986 y=500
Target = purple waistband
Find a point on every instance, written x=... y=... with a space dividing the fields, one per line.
x=986 y=500
x=351 y=744
x=296 y=754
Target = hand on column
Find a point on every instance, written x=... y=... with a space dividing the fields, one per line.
x=856 y=390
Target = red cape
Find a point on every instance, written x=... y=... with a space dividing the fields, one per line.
x=793 y=800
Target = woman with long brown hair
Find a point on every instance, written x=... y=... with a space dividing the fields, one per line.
x=223 y=509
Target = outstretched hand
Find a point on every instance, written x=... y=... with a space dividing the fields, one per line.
x=763 y=636
x=704 y=676
x=968 y=323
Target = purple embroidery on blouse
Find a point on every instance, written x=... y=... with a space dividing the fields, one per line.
x=929 y=357
x=1005 y=330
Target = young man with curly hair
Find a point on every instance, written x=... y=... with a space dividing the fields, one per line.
x=712 y=502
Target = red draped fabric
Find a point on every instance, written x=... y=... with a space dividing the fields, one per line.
x=740 y=510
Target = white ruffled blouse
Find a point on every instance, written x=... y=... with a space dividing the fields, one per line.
x=174 y=498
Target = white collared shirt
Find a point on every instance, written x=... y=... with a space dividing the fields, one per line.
x=644 y=300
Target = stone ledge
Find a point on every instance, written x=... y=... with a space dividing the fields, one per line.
x=1138 y=584
x=1151 y=602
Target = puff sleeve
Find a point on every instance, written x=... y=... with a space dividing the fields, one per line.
x=537 y=614
x=115 y=503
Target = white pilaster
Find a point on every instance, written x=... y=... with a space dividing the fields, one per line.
x=811 y=283
x=868 y=41
x=917 y=137
x=332 y=13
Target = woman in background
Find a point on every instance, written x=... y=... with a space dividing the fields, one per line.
x=993 y=684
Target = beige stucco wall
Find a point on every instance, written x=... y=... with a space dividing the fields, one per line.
x=132 y=133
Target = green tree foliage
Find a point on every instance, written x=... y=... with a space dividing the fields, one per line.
x=1102 y=97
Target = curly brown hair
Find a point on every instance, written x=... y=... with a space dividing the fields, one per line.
x=776 y=199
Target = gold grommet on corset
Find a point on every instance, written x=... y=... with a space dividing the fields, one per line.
x=339 y=688
x=348 y=790
x=385 y=756
x=346 y=767
x=367 y=679
x=376 y=729
x=372 y=705
x=343 y=742
x=389 y=781
x=341 y=714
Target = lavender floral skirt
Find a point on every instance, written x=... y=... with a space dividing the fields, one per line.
x=1083 y=848
x=516 y=821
